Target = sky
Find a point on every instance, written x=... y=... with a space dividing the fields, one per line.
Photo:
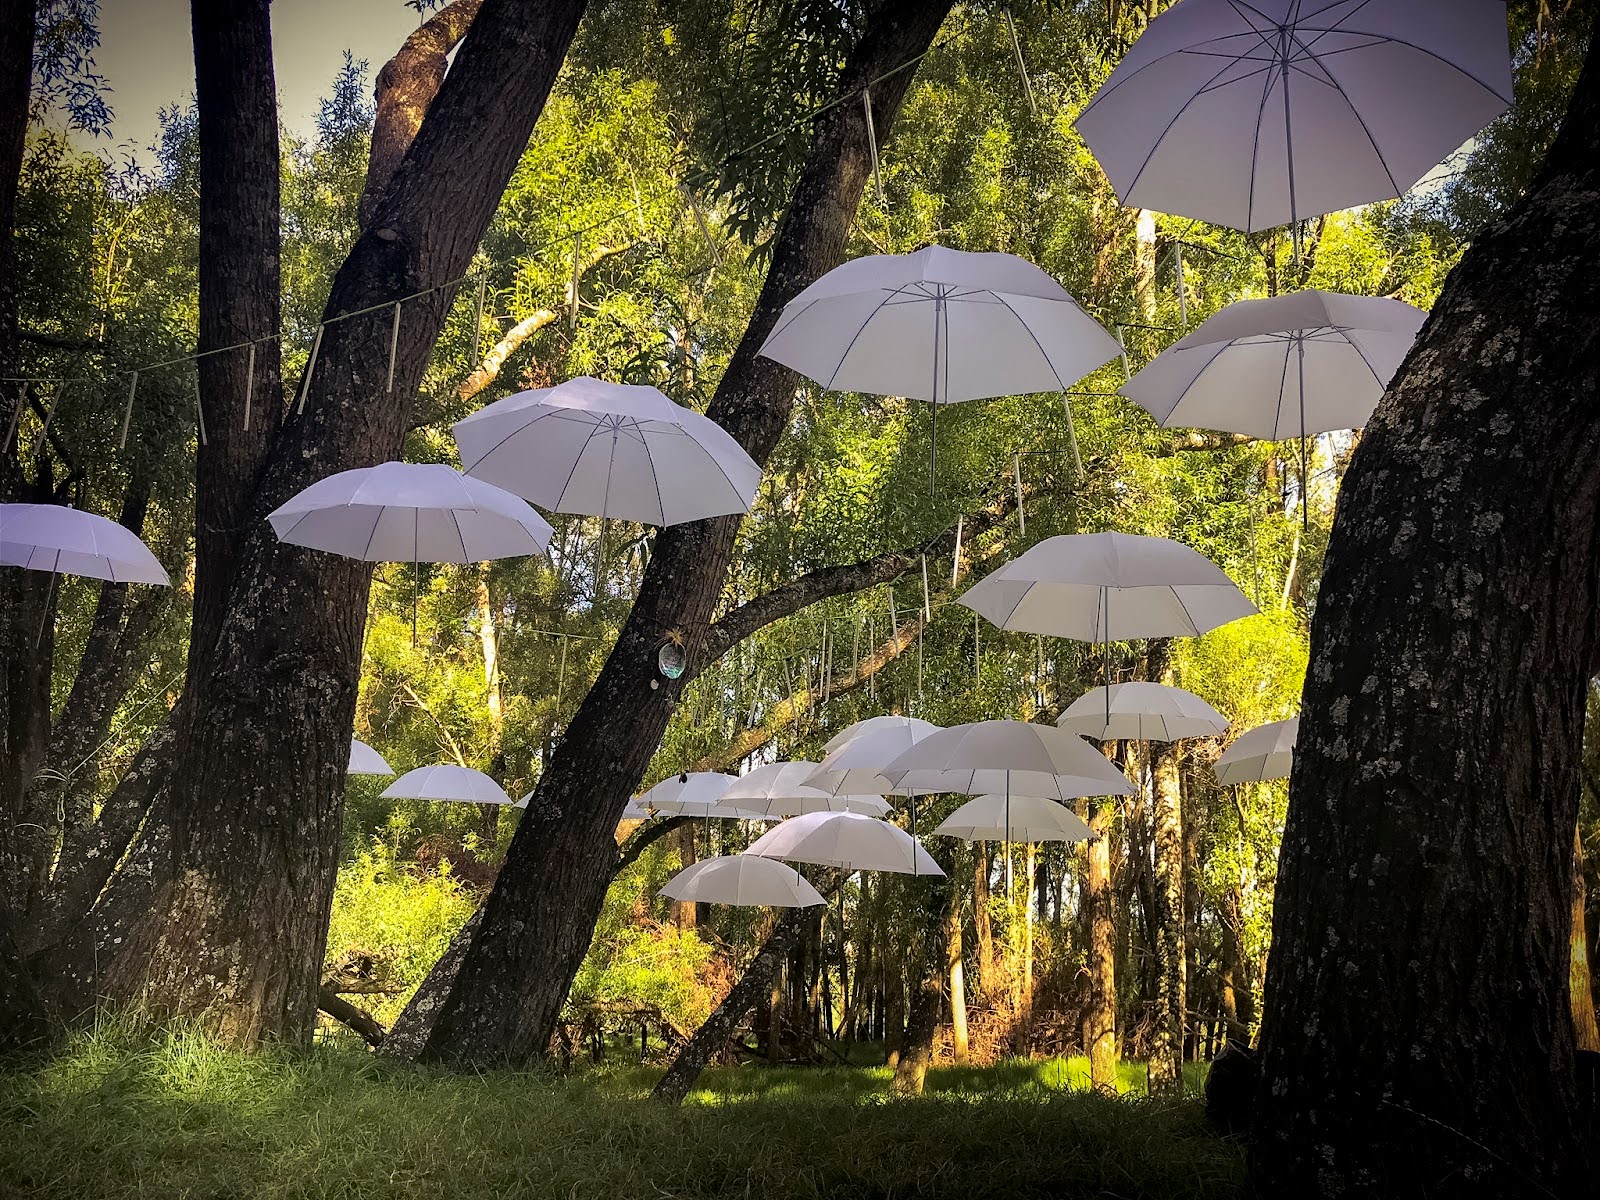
x=148 y=60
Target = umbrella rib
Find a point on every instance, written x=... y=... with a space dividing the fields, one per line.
x=1223 y=349
x=1277 y=416
x=1255 y=151
x=482 y=458
x=460 y=537
x=1156 y=145
x=371 y=533
x=1029 y=331
x=561 y=494
x=839 y=366
x=782 y=324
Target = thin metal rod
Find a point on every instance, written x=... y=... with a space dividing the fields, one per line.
x=394 y=344
x=311 y=366
x=199 y=411
x=1288 y=143
x=1305 y=468
x=955 y=561
x=477 y=325
x=1022 y=67
x=872 y=142
x=577 y=271
x=1016 y=477
x=249 y=386
x=16 y=414
x=1072 y=436
x=127 y=412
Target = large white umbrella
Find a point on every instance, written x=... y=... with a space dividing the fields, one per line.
x=780 y=789
x=1285 y=367
x=364 y=760
x=846 y=840
x=857 y=765
x=411 y=512
x=873 y=725
x=1015 y=819
x=1142 y=712
x=694 y=794
x=69 y=541
x=447 y=782
x=609 y=450
x=939 y=325
x=1265 y=752
x=742 y=879
x=1268 y=112
x=1012 y=757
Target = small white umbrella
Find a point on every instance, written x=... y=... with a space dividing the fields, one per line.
x=410 y=512
x=857 y=765
x=873 y=725
x=69 y=541
x=1263 y=113
x=742 y=879
x=364 y=760
x=1265 y=752
x=939 y=325
x=1142 y=712
x=846 y=840
x=1015 y=819
x=780 y=789
x=447 y=782
x=609 y=450
x=630 y=811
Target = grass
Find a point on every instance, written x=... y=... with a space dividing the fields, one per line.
x=114 y=1116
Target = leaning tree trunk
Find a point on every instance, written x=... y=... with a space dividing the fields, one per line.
x=234 y=931
x=539 y=919
x=927 y=1006
x=1585 y=1028
x=1417 y=1038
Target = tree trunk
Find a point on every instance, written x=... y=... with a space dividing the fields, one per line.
x=1418 y=1034
x=1101 y=1023
x=540 y=916
x=927 y=1004
x=1584 y=1026
x=1166 y=1048
x=234 y=931
x=685 y=913
x=958 y=979
x=982 y=924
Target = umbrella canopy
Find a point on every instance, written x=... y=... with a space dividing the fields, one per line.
x=1031 y=819
x=69 y=541
x=1265 y=752
x=1013 y=757
x=411 y=512
x=857 y=766
x=1255 y=115
x=742 y=879
x=939 y=325
x=1287 y=367
x=780 y=790
x=696 y=794
x=609 y=450
x=1144 y=712
x=1107 y=587
x=846 y=840
x=364 y=760
x=447 y=782
x=873 y=725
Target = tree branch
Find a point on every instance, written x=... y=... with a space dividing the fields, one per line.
x=358 y=1019
x=643 y=838
x=57 y=342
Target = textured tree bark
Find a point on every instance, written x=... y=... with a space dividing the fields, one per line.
x=927 y=1004
x=358 y=1019
x=1166 y=1049
x=1100 y=1026
x=540 y=916
x=1417 y=1037
x=234 y=929
x=1581 y=985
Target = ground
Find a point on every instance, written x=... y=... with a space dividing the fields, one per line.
x=114 y=1116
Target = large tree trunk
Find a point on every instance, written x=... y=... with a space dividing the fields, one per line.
x=927 y=1004
x=956 y=971
x=982 y=922
x=234 y=928
x=1584 y=1026
x=1166 y=1047
x=1417 y=1037
x=541 y=914
x=1100 y=1018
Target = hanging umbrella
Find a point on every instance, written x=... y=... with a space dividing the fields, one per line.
x=939 y=325
x=630 y=811
x=1031 y=819
x=364 y=760
x=742 y=879
x=780 y=790
x=874 y=725
x=1142 y=712
x=410 y=512
x=1012 y=757
x=1265 y=752
x=447 y=782
x=609 y=450
x=847 y=840
x=857 y=765
x=69 y=541
x=1266 y=113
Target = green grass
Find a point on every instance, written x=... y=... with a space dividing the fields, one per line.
x=115 y=1116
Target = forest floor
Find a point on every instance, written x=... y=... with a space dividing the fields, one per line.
x=112 y=1116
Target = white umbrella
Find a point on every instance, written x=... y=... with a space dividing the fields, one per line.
x=1263 y=113
x=630 y=811
x=694 y=794
x=447 y=782
x=1285 y=367
x=1142 y=712
x=847 y=840
x=1265 y=752
x=410 y=512
x=742 y=879
x=69 y=541
x=1012 y=757
x=780 y=789
x=609 y=450
x=939 y=325
x=1015 y=819
x=873 y=725
x=364 y=760
x=857 y=765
